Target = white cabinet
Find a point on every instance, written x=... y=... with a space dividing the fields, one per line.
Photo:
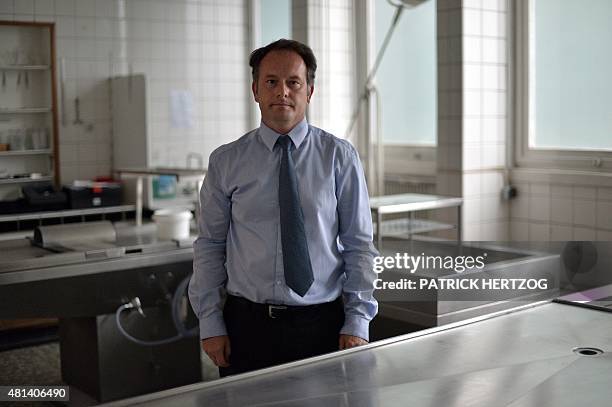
x=28 y=109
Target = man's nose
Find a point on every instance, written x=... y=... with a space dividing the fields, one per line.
x=283 y=90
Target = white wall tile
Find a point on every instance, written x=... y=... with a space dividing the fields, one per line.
x=472 y=103
x=494 y=77
x=492 y=208
x=494 y=231
x=493 y=156
x=493 y=24
x=85 y=8
x=519 y=231
x=472 y=49
x=561 y=210
x=64 y=7
x=561 y=191
x=472 y=76
x=539 y=188
x=494 y=103
x=471 y=232
x=7 y=7
x=581 y=192
x=584 y=233
x=539 y=208
x=472 y=158
x=472 y=22
x=24 y=7
x=539 y=232
x=492 y=183
x=471 y=185
x=44 y=7
x=560 y=233
x=472 y=130
x=473 y=3
x=604 y=194
x=604 y=215
x=604 y=235
x=494 y=130
x=64 y=26
x=584 y=213
x=471 y=210
x=104 y=8
x=493 y=50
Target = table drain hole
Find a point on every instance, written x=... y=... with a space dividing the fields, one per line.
x=587 y=351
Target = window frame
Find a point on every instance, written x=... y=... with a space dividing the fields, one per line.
x=585 y=159
x=423 y=158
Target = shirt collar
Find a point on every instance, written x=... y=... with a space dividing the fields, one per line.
x=297 y=134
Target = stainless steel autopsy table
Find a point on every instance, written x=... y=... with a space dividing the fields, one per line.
x=524 y=357
x=411 y=203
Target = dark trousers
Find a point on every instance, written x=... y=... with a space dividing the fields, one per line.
x=261 y=336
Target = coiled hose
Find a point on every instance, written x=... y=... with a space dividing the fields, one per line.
x=182 y=331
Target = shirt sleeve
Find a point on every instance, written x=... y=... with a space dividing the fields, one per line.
x=355 y=235
x=207 y=285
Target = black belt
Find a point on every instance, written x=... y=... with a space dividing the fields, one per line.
x=279 y=310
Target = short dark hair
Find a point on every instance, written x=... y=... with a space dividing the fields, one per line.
x=283 y=44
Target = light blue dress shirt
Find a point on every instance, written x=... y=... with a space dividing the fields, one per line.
x=239 y=249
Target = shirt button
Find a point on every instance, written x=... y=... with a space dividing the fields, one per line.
x=278 y=283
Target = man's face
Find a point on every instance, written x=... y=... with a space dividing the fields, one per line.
x=281 y=90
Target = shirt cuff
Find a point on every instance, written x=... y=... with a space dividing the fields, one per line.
x=356 y=326
x=212 y=326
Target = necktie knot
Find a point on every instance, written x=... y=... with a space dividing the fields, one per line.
x=285 y=142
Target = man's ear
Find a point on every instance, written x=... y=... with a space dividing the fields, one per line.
x=310 y=92
x=254 y=89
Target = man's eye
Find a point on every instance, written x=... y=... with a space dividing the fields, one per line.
x=270 y=82
x=294 y=83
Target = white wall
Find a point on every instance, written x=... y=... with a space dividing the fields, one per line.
x=560 y=206
x=327 y=27
x=197 y=45
x=472 y=113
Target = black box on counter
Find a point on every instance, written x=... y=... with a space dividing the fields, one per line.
x=93 y=195
x=43 y=197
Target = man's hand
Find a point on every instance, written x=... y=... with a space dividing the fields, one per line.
x=349 y=341
x=218 y=349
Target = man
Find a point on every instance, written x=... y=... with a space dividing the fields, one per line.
x=285 y=231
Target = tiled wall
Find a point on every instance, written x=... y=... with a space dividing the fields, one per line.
x=472 y=94
x=560 y=207
x=485 y=66
x=197 y=45
x=327 y=26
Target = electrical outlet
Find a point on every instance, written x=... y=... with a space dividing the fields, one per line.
x=509 y=192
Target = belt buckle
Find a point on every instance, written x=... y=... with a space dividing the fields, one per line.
x=271 y=309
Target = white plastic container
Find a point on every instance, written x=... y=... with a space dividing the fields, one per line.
x=172 y=223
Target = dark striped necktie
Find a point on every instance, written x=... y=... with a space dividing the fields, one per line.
x=296 y=260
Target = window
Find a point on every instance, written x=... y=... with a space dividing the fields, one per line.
x=563 y=84
x=275 y=20
x=406 y=78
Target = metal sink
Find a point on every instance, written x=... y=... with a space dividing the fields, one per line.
x=437 y=306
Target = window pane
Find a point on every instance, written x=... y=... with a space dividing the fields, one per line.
x=570 y=63
x=406 y=78
x=275 y=20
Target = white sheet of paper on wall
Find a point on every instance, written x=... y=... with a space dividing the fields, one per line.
x=182 y=109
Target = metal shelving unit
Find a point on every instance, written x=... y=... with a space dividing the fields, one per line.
x=25 y=152
x=25 y=110
x=24 y=67
x=27 y=57
x=25 y=180
x=67 y=213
